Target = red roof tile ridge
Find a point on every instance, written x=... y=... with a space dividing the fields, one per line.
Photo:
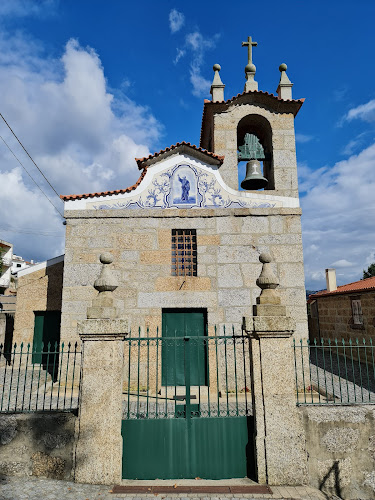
x=207 y=101
x=141 y=161
x=105 y=193
x=348 y=287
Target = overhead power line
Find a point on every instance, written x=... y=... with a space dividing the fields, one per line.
x=31 y=177
x=23 y=147
x=31 y=231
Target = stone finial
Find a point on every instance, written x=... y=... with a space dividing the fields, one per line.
x=106 y=282
x=284 y=90
x=103 y=304
x=217 y=87
x=250 y=84
x=268 y=282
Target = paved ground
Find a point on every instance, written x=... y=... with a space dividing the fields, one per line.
x=336 y=379
x=15 y=488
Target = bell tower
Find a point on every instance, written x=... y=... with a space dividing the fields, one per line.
x=257 y=127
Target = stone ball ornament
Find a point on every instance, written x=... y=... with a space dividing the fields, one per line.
x=250 y=68
x=216 y=67
x=265 y=258
x=106 y=281
x=267 y=279
x=283 y=67
x=106 y=258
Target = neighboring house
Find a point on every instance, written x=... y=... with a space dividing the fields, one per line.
x=19 y=263
x=38 y=311
x=343 y=312
x=6 y=254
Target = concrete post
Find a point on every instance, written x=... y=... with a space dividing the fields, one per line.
x=99 y=443
x=280 y=441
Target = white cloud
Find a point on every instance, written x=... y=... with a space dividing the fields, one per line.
x=198 y=45
x=180 y=53
x=201 y=86
x=364 y=112
x=176 y=20
x=302 y=138
x=25 y=208
x=82 y=136
x=342 y=263
x=338 y=218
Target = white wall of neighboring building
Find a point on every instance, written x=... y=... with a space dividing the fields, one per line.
x=18 y=264
x=6 y=250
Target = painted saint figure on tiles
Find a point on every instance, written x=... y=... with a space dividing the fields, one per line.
x=185 y=186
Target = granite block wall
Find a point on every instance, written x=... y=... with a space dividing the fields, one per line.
x=229 y=242
x=336 y=317
x=37 y=444
x=37 y=291
x=340 y=442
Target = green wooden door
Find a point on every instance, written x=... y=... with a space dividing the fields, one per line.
x=46 y=335
x=176 y=326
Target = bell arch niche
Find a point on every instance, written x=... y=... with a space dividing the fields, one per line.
x=259 y=127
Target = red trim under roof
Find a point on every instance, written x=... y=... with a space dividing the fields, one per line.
x=142 y=162
x=105 y=193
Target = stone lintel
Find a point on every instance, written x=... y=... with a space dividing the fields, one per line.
x=103 y=329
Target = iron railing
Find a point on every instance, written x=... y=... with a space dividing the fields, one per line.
x=335 y=371
x=173 y=377
x=39 y=377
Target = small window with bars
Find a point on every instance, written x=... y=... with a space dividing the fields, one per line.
x=184 y=252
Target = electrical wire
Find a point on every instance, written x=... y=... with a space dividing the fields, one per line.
x=28 y=231
x=23 y=147
x=37 y=185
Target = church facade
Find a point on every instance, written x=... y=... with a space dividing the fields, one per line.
x=185 y=236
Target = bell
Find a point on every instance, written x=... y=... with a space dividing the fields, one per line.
x=254 y=178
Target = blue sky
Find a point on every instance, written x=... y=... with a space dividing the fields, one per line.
x=89 y=85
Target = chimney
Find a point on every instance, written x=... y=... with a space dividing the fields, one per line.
x=331 y=280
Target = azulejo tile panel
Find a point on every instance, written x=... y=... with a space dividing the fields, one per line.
x=183 y=186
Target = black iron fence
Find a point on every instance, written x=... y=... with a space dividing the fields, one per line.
x=335 y=371
x=39 y=377
x=174 y=376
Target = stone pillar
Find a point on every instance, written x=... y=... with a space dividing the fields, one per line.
x=3 y=324
x=217 y=87
x=284 y=89
x=279 y=441
x=99 y=444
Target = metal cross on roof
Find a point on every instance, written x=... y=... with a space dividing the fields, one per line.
x=250 y=44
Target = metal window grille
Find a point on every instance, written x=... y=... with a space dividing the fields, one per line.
x=357 y=312
x=184 y=252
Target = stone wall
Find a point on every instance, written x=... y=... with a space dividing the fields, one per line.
x=229 y=242
x=340 y=443
x=37 y=291
x=283 y=146
x=336 y=318
x=335 y=321
x=37 y=444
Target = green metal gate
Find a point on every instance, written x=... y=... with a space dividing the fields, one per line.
x=187 y=404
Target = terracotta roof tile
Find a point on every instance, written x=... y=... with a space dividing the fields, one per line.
x=357 y=286
x=105 y=193
x=207 y=101
x=295 y=103
x=141 y=162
